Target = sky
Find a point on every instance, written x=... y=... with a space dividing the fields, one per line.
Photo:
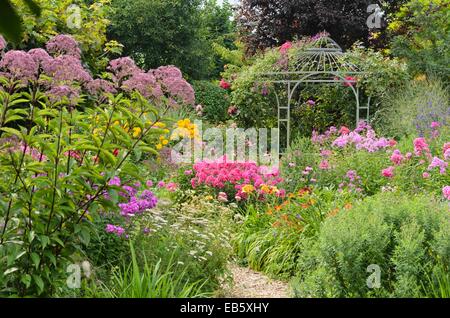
x=230 y=1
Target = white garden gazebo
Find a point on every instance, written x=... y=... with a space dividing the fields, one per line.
x=320 y=63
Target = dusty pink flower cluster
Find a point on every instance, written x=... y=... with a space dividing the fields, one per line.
x=165 y=81
x=65 y=78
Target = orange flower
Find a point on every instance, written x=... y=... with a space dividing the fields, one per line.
x=333 y=212
x=285 y=217
x=278 y=208
x=304 y=191
x=276 y=224
x=269 y=212
x=348 y=206
x=304 y=205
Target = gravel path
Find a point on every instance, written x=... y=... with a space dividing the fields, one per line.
x=251 y=284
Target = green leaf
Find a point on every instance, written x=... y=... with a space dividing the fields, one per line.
x=10 y=270
x=36 y=259
x=39 y=282
x=85 y=236
x=58 y=240
x=26 y=280
x=44 y=241
x=12 y=131
x=34 y=7
x=10 y=22
x=51 y=257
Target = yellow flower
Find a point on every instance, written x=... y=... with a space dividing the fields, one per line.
x=265 y=188
x=137 y=132
x=160 y=125
x=165 y=142
x=209 y=198
x=248 y=188
x=116 y=123
x=159 y=146
x=421 y=78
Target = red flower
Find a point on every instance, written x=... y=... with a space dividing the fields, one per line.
x=392 y=143
x=224 y=84
x=285 y=47
x=116 y=152
x=349 y=81
x=233 y=111
x=344 y=130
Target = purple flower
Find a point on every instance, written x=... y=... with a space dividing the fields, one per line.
x=115 y=182
x=19 y=65
x=99 y=87
x=129 y=191
x=2 y=43
x=40 y=56
x=435 y=125
x=63 y=44
x=66 y=69
x=179 y=89
x=63 y=93
x=119 y=231
x=122 y=68
x=438 y=163
x=311 y=103
x=161 y=184
x=169 y=71
x=145 y=84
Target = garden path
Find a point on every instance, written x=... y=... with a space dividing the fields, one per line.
x=250 y=284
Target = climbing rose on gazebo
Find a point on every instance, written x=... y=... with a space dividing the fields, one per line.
x=224 y=84
x=285 y=47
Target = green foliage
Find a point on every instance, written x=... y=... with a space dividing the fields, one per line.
x=421 y=30
x=56 y=164
x=177 y=32
x=149 y=281
x=404 y=235
x=214 y=100
x=11 y=24
x=58 y=17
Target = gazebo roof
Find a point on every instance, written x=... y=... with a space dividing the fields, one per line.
x=319 y=61
x=323 y=55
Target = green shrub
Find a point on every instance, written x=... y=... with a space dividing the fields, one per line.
x=214 y=100
x=407 y=236
x=421 y=30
